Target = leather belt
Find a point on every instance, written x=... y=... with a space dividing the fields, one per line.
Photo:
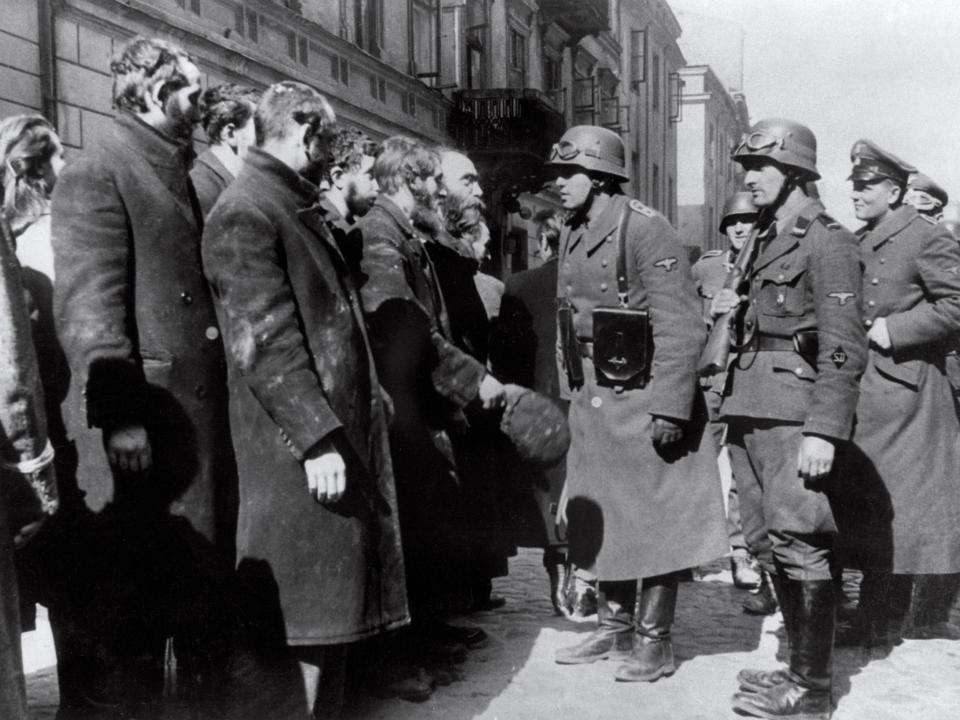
x=767 y=343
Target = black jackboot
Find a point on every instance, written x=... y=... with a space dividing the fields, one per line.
x=805 y=694
x=614 y=634
x=652 y=655
x=756 y=680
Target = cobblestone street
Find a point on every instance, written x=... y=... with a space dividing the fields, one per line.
x=515 y=678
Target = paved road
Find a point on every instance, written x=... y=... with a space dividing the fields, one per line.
x=515 y=678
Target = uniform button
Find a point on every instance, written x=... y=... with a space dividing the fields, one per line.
x=870 y=303
x=780 y=299
x=569 y=289
x=603 y=287
x=780 y=276
x=201 y=391
x=875 y=281
x=798 y=371
x=609 y=239
x=212 y=333
x=603 y=263
x=596 y=401
x=883 y=260
x=868 y=322
x=186 y=298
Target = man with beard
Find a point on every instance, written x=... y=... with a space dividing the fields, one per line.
x=907 y=424
x=228 y=122
x=319 y=513
x=148 y=402
x=352 y=190
x=429 y=378
x=790 y=404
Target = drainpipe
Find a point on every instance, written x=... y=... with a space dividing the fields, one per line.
x=47 y=51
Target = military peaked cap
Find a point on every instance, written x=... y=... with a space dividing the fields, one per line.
x=925 y=183
x=873 y=163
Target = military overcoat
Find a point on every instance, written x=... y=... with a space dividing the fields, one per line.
x=907 y=424
x=635 y=511
x=136 y=320
x=301 y=372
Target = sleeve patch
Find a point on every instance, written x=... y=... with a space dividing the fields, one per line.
x=839 y=357
x=842 y=297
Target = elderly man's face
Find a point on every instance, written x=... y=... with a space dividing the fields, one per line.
x=359 y=188
x=460 y=177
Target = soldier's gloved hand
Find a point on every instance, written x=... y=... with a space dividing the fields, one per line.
x=128 y=448
x=492 y=393
x=725 y=301
x=815 y=459
x=665 y=432
x=326 y=474
x=879 y=335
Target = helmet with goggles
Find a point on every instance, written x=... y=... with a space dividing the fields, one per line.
x=786 y=142
x=592 y=148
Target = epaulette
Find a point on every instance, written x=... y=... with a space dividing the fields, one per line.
x=801 y=226
x=639 y=207
x=929 y=219
x=829 y=221
x=710 y=254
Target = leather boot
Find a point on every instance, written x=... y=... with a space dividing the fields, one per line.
x=652 y=655
x=557 y=575
x=613 y=636
x=764 y=602
x=805 y=695
x=932 y=599
x=754 y=679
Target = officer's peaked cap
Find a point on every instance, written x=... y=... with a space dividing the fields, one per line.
x=873 y=163
x=925 y=183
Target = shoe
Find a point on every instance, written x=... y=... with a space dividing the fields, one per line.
x=602 y=643
x=764 y=601
x=652 y=655
x=788 y=700
x=759 y=680
x=651 y=659
x=746 y=573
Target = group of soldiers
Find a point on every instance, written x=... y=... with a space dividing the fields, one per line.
x=283 y=353
x=834 y=405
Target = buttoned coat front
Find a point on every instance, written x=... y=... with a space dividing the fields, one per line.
x=907 y=424
x=301 y=373
x=137 y=324
x=636 y=511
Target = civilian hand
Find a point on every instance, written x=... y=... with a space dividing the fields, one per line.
x=491 y=392
x=128 y=448
x=815 y=458
x=326 y=476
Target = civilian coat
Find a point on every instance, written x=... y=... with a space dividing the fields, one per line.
x=627 y=517
x=210 y=178
x=301 y=373
x=907 y=425
x=137 y=324
x=430 y=381
x=524 y=351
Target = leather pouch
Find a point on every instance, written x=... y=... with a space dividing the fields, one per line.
x=622 y=342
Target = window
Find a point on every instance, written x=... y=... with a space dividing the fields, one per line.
x=476 y=59
x=378 y=88
x=675 y=85
x=368 y=25
x=424 y=50
x=655 y=72
x=584 y=100
x=638 y=57
x=340 y=69
x=518 y=59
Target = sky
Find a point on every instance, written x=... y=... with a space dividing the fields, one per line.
x=887 y=70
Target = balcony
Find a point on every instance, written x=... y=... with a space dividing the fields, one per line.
x=577 y=18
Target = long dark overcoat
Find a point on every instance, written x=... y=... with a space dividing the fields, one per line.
x=906 y=420
x=635 y=511
x=137 y=324
x=430 y=381
x=210 y=178
x=301 y=372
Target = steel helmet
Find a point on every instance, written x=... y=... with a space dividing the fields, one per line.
x=740 y=203
x=591 y=148
x=784 y=141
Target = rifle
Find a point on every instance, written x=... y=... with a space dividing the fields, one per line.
x=727 y=329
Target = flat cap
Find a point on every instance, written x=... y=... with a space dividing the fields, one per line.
x=873 y=163
x=925 y=183
x=536 y=427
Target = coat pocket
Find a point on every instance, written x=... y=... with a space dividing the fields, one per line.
x=906 y=373
x=782 y=292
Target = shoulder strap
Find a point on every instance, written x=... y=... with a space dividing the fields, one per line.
x=623 y=281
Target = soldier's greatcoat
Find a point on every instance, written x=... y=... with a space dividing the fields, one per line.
x=635 y=511
x=301 y=372
x=137 y=324
x=906 y=420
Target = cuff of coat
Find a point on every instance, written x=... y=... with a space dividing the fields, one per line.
x=834 y=428
x=115 y=393
x=458 y=375
x=301 y=412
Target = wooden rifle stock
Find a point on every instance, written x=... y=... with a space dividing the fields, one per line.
x=716 y=353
